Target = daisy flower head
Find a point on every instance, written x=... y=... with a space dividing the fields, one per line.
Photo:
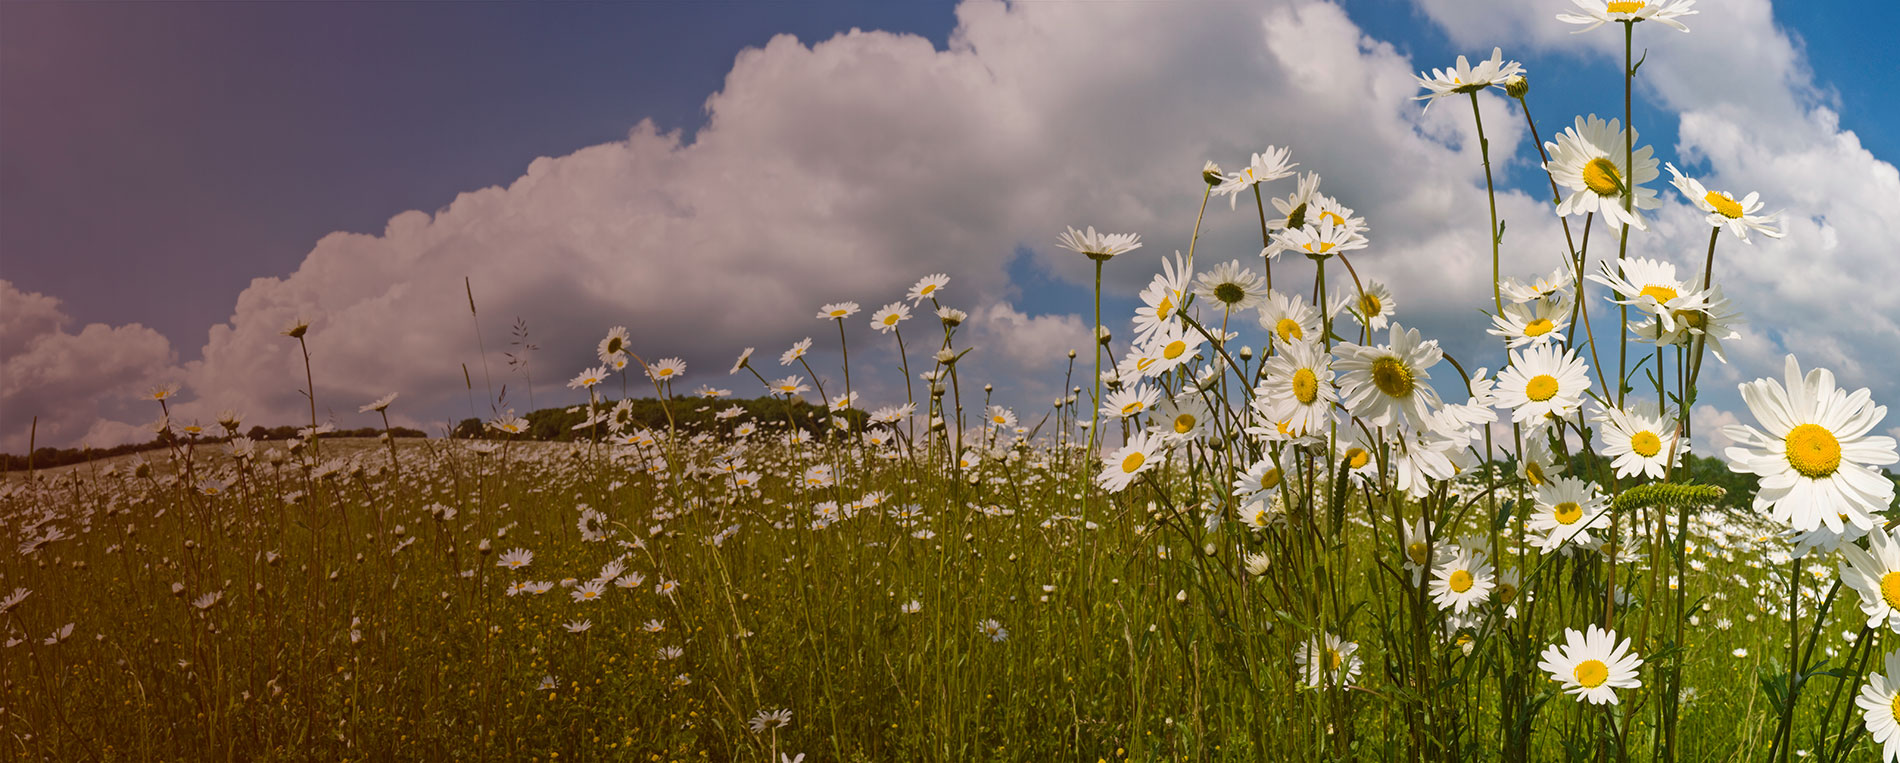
x=1257 y=487
x=1421 y=553
x=1168 y=349
x=379 y=404
x=837 y=311
x=1653 y=286
x=1816 y=461
x=1329 y=661
x=161 y=391
x=589 y=378
x=613 y=345
x=1293 y=208
x=516 y=559
x=1598 y=12
x=1638 y=440
x=951 y=317
x=1297 y=387
x=1462 y=580
x=1567 y=509
x=667 y=370
x=1130 y=401
x=1372 y=306
x=745 y=359
x=1592 y=664
x=798 y=351
x=1879 y=702
x=1587 y=159
x=1543 y=380
x=1266 y=166
x=1723 y=209
x=1874 y=573
x=927 y=287
x=1182 y=418
x=589 y=591
x=1465 y=78
x=1163 y=298
x=1539 y=465
x=1100 y=247
x=1546 y=287
x=1121 y=467
x=1389 y=384
x=1714 y=321
x=1540 y=321
x=1233 y=286
x=790 y=385
x=885 y=320
x=1318 y=241
x=1288 y=318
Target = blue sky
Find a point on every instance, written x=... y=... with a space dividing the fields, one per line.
x=156 y=158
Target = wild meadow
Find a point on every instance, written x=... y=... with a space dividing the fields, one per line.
x=1269 y=521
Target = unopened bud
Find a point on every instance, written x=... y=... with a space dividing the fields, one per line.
x=1517 y=86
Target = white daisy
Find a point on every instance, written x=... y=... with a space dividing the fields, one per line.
x=1121 y=467
x=885 y=320
x=1538 y=321
x=1182 y=418
x=1543 y=380
x=1547 y=287
x=1879 y=702
x=1816 y=461
x=1465 y=78
x=1874 y=573
x=1163 y=298
x=1318 y=241
x=1329 y=661
x=1289 y=319
x=1389 y=384
x=1567 y=509
x=1374 y=306
x=1098 y=246
x=1266 y=166
x=1638 y=440
x=1127 y=402
x=1592 y=664
x=1653 y=286
x=1723 y=209
x=1588 y=160
x=837 y=311
x=927 y=287
x=1232 y=286
x=1462 y=581
x=1597 y=12
x=1297 y=388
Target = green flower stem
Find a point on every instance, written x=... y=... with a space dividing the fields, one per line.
x=1484 y=151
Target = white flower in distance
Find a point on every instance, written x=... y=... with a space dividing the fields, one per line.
x=837 y=311
x=667 y=370
x=1098 y=246
x=885 y=320
x=1465 y=78
x=1598 y=12
x=1592 y=664
x=1587 y=159
x=1129 y=461
x=1544 y=380
x=1879 y=702
x=1874 y=573
x=1816 y=462
x=379 y=404
x=1266 y=166
x=1328 y=661
x=927 y=287
x=1389 y=384
x=1723 y=209
x=589 y=378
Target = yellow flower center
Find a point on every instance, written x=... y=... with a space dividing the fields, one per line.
x=1895 y=706
x=1662 y=294
x=1329 y=215
x=1724 y=205
x=1324 y=247
x=1162 y=310
x=1626 y=6
x=1506 y=592
x=1305 y=386
x=1392 y=377
x=1567 y=513
x=1289 y=329
x=1418 y=553
x=1646 y=444
x=1183 y=423
x=1538 y=327
x=1460 y=581
x=1541 y=387
x=1230 y=292
x=837 y=313
x=1695 y=319
x=890 y=320
x=1357 y=458
x=1133 y=462
x=1270 y=480
x=1130 y=408
x=1534 y=472
x=1370 y=305
x=1333 y=661
x=1890 y=588
x=1601 y=177
x=1592 y=673
x=1813 y=451
x=1174 y=349
x=1142 y=364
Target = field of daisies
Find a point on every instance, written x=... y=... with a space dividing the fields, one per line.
x=1275 y=523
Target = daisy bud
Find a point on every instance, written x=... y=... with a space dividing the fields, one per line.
x=987 y=388
x=1211 y=174
x=1181 y=596
x=1246 y=353
x=1103 y=335
x=1517 y=86
x=1072 y=354
x=483 y=547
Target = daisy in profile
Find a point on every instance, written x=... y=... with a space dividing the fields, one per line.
x=744 y=361
x=1163 y=298
x=1723 y=209
x=1289 y=319
x=1233 y=286
x=885 y=320
x=1256 y=486
x=1879 y=702
x=1421 y=553
x=1298 y=387
x=1587 y=159
x=379 y=404
x=1129 y=461
x=798 y=351
x=837 y=311
x=1266 y=166
x=1817 y=463
x=1638 y=440
x=1389 y=384
x=1547 y=287
x=1653 y=286
x=790 y=386
x=516 y=559
x=1374 y=306
x=1539 y=465
x=1318 y=241
x=1100 y=247
x=614 y=345
x=927 y=287
x=1465 y=78
x=1874 y=573
x=1328 y=661
x=1714 y=322
x=1543 y=380
x=1539 y=321
x=1598 y=12
x=1462 y=581
x=667 y=370
x=1127 y=402
x=1567 y=509
x=589 y=378
x=1592 y=664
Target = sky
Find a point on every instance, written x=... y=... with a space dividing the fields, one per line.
x=180 y=180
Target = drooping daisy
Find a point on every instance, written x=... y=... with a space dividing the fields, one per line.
x=1100 y=247
x=1874 y=573
x=1652 y=285
x=1462 y=581
x=1163 y=298
x=1723 y=209
x=1232 y=286
x=1598 y=12
x=1465 y=78
x=1879 y=702
x=1329 y=661
x=745 y=359
x=1389 y=384
x=1816 y=461
x=885 y=320
x=1127 y=402
x=1539 y=465
x=667 y=370
x=1289 y=319
x=1567 y=510
x=1358 y=456
x=1639 y=440
x=1298 y=387
x=798 y=351
x=1255 y=487
x=1543 y=380
x=1420 y=459
x=1421 y=552
x=1538 y=321
x=1587 y=159
x=837 y=311
x=1592 y=664
x=1265 y=167
x=1373 y=306
x=927 y=287
x=1121 y=467
x=1546 y=287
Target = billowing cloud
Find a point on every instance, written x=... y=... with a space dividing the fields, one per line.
x=72 y=382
